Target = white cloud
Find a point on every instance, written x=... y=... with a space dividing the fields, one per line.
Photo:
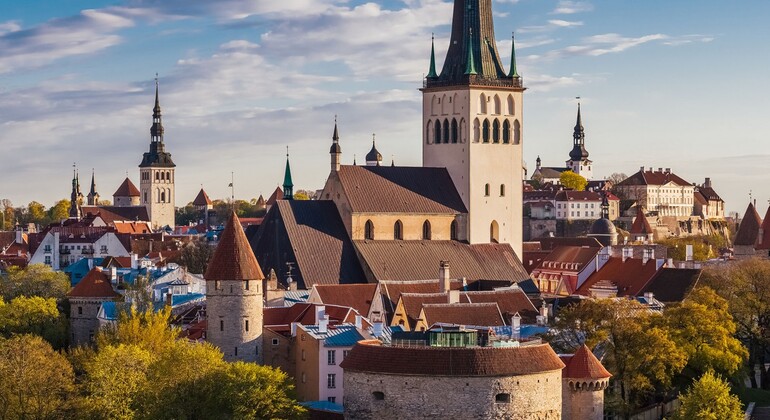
x=566 y=7
x=551 y=25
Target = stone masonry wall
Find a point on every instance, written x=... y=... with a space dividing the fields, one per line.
x=532 y=397
x=228 y=308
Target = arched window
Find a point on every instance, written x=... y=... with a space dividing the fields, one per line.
x=510 y=105
x=453 y=230
x=494 y=232
x=502 y=190
x=444 y=105
x=398 y=230
x=369 y=230
x=496 y=131
x=446 y=131
x=516 y=132
x=157 y=176
x=426 y=230
x=428 y=136
x=506 y=132
x=476 y=130
x=482 y=104
x=163 y=196
x=168 y=176
x=497 y=105
x=434 y=105
x=437 y=132
x=486 y=190
x=485 y=131
x=455 y=105
x=463 y=129
x=454 y=130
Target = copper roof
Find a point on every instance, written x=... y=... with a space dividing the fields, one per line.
x=482 y=314
x=630 y=276
x=233 y=258
x=451 y=361
x=202 y=199
x=640 y=226
x=356 y=296
x=95 y=284
x=584 y=365
x=419 y=260
x=654 y=178
x=748 y=231
x=387 y=189
x=126 y=189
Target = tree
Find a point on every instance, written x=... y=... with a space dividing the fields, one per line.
x=33 y=315
x=37 y=214
x=303 y=194
x=8 y=216
x=746 y=286
x=703 y=327
x=709 y=399
x=614 y=179
x=59 y=211
x=703 y=247
x=34 y=280
x=195 y=256
x=573 y=181
x=36 y=382
x=148 y=330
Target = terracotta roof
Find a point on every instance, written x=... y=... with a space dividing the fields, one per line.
x=413 y=303
x=387 y=189
x=419 y=260
x=126 y=189
x=95 y=284
x=509 y=302
x=699 y=197
x=311 y=235
x=112 y=214
x=568 y=259
x=653 y=178
x=640 y=226
x=672 y=284
x=748 y=231
x=482 y=314
x=202 y=199
x=392 y=290
x=233 y=259
x=763 y=242
x=280 y=318
x=569 y=195
x=584 y=365
x=630 y=276
x=132 y=227
x=275 y=196
x=356 y=296
x=549 y=244
x=369 y=356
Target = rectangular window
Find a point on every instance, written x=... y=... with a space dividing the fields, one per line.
x=221 y=325
x=236 y=351
x=275 y=341
x=247 y=325
x=332 y=400
x=247 y=285
x=80 y=310
x=331 y=357
x=48 y=259
x=345 y=354
x=331 y=381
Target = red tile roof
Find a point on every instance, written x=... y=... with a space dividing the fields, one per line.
x=763 y=242
x=202 y=199
x=640 y=226
x=630 y=276
x=112 y=214
x=748 y=231
x=132 y=227
x=570 y=195
x=567 y=259
x=370 y=356
x=356 y=296
x=95 y=284
x=653 y=178
x=584 y=365
x=126 y=189
x=509 y=302
x=233 y=259
x=481 y=314
x=277 y=195
x=413 y=303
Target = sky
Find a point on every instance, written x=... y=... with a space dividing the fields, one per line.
x=664 y=84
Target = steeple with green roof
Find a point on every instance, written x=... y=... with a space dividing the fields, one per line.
x=513 y=73
x=288 y=185
x=432 y=72
x=470 y=67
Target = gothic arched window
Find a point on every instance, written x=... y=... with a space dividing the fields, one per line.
x=497 y=105
x=446 y=131
x=516 y=132
x=506 y=132
x=511 y=109
x=482 y=104
x=437 y=132
x=453 y=230
x=369 y=230
x=485 y=131
x=496 y=131
x=454 y=130
x=476 y=130
x=426 y=230
x=494 y=232
x=398 y=230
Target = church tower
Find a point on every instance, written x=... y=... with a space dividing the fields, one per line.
x=76 y=197
x=234 y=296
x=473 y=125
x=93 y=196
x=578 y=157
x=156 y=175
x=288 y=184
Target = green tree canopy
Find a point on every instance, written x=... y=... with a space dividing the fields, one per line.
x=709 y=399
x=573 y=181
x=59 y=211
x=195 y=256
x=34 y=280
x=33 y=315
x=36 y=382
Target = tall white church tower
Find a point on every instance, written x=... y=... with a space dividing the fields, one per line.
x=578 y=157
x=156 y=175
x=473 y=126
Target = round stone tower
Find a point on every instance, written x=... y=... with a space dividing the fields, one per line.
x=584 y=380
x=234 y=296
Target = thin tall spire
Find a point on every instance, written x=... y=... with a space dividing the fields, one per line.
x=514 y=72
x=288 y=184
x=432 y=72
x=156 y=131
x=470 y=68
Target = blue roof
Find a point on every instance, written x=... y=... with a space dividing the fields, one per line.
x=323 y=405
x=80 y=268
x=177 y=300
x=525 y=331
x=112 y=309
x=292 y=297
x=348 y=337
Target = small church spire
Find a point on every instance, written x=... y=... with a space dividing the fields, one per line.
x=579 y=151
x=470 y=68
x=432 y=72
x=93 y=196
x=373 y=158
x=156 y=131
x=335 y=151
x=288 y=185
x=75 y=195
x=514 y=72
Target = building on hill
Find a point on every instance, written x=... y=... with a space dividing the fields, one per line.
x=708 y=204
x=85 y=300
x=156 y=175
x=662 y=192
x=234 y=297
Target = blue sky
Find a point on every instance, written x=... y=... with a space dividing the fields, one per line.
x=664 y=84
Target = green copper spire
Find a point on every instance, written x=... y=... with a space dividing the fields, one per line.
x=288 y=185
x=513 y=72
x=432 y=72
x=470 y=68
